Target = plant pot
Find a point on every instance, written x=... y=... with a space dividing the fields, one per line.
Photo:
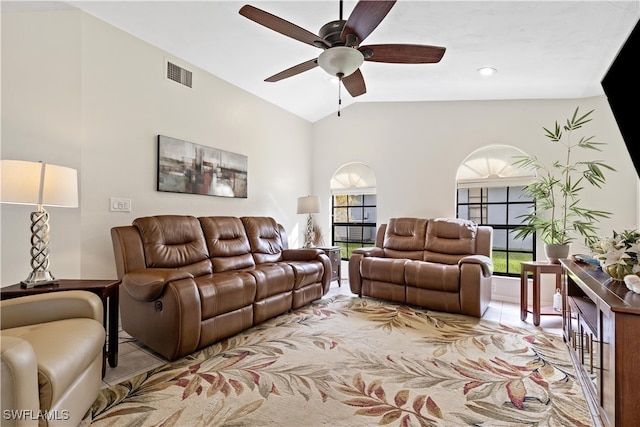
x=555 y=252
x=617 y=271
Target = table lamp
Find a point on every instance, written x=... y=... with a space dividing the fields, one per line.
x=308 y=205
x=39 y=184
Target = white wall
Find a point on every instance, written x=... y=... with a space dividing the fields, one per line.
x=81 y=93
x=41 y=120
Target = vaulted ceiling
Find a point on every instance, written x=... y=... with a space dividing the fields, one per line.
x=540 y=49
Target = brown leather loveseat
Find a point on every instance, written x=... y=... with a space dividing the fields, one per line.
x=441 y=264
x=188 y=282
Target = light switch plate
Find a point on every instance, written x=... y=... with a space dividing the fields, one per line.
x=119 y=204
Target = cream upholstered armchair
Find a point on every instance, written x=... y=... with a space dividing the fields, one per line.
x=52 y=355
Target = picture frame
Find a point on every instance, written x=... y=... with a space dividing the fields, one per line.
x=185 y=167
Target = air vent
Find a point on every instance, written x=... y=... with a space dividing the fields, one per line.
x=178 y=74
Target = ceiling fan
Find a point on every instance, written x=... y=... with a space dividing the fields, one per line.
x=341 y=41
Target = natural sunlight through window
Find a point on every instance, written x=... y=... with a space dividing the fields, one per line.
x=353 y=204
x=489 y=192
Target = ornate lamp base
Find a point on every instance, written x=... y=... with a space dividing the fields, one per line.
x=40 y=274
x=308 y=235
x=39 y=278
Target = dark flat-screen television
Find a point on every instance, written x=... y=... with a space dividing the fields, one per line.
x=621 y=85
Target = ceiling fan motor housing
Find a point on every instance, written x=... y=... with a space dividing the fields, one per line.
x=331 y=32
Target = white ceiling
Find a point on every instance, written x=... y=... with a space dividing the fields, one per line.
x=541 y=49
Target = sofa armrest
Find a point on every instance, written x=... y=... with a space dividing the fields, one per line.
x=306 y=254
x=41 y=308
x=484 y=261
x=355 y=278
x=311 y=254
x=147 y=284
x=19 y=371
x=370 y=251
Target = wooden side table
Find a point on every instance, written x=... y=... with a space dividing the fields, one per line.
x=107 y=290
x=537 y=268
x=333 y=252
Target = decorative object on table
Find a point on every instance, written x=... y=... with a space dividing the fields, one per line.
x=557 y=300
x=318 y=240
x=39 y=184
x=618 y=255
x=309 y=205
x=557 y=213
x=184 y=167
x=585 y=259
x=633 y=282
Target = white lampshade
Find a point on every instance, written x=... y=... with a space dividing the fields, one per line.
x=37 y=183
x=308 y=204
x=340 y=61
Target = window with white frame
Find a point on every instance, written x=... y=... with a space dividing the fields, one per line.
x=353 y=208
x=490 y=192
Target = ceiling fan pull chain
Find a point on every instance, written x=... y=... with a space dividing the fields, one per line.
x=339 y=92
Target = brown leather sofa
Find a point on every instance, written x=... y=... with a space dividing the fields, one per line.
x=52 y=354
x=188 y=282
x=441 y=264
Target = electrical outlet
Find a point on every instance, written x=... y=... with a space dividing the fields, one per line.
x=119 y=204
x=493 y=287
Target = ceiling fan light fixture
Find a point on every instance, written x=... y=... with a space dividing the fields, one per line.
x=340 y=60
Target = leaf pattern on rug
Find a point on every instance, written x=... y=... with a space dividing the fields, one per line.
x=372 y=401
x=356 y=362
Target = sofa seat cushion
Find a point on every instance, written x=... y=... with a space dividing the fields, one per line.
x=389 y=270
x=225 y=292
x=429 y=275
x=306 y=273
x=272 y=279
x=64 y=350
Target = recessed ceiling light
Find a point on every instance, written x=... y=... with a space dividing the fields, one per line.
x=487 y=71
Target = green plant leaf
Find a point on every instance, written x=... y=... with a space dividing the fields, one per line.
x=557 y=214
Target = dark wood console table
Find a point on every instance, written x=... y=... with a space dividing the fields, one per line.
x=107 y=290
x=601 y=325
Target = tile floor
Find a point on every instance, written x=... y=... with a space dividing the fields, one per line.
x=134 y=359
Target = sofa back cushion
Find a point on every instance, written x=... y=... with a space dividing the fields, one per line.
x=264 y=238
x=405 y=238
x=227 y=242
x=174 y=241
x=449 y=239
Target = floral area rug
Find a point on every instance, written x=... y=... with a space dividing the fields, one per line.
x=348 y=361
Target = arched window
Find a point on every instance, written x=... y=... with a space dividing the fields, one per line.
x=489 y=192
x=353 y=203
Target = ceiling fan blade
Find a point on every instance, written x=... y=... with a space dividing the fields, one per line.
x=296 y=69
x=365 y=17
x=402 y=53
x=283 y=27
x=354 y=83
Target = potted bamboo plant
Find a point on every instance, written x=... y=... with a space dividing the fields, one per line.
x=558 y=215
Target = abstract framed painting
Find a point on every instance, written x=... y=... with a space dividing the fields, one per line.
x=185 y=167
